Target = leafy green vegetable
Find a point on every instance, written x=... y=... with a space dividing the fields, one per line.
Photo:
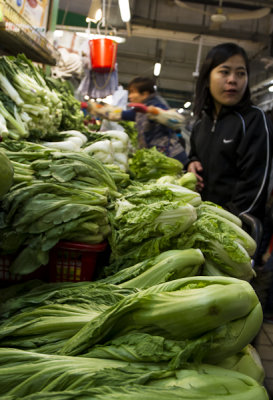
x=60 y=377
x=246 y=361
x=72 y=115
x=223 y=242
x=148 y=164
x=133 y=224
x=16 y=128
x=6 y=174
x=139 y=193
x=43 y=319
x=214 y=346
x=168 y=265
x=40 y=107
x=68 y=201
x=188 y=180
x=130 y=128
x=182 y=309
x=30 y=295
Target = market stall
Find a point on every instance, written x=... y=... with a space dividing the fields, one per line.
x=117 y=280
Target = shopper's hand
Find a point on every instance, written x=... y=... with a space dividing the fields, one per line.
x=196 y=168
x=170 y=118
x=106 y=111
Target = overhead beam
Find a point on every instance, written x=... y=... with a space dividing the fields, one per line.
x=192 y=38
x=250 y=5
x=199 y=28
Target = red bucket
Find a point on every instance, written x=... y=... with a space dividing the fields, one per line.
x=103 y=53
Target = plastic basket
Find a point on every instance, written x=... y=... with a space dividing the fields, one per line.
x=5 y=274
x=74 y=262
x=7 y=277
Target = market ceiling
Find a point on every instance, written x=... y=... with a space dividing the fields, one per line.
x=180 y=35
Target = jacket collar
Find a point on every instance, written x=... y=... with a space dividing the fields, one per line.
x=240 y=107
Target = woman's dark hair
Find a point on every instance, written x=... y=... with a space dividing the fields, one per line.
x=142 y=84
x=217 y=55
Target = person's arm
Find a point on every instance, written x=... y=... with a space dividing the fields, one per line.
x=160 y=113
x=112 y=113
x=254 y=160
x=194 y=165
x=170 y=118
x=128 y=115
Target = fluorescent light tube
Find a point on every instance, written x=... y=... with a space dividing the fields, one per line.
x=157 y=69
x=187 y=104
x=124 y=10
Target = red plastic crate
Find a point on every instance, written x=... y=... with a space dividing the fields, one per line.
x=5 y=274
x=10 y=278
x=73 y=261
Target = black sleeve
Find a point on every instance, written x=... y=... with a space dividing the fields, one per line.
x=192 y=153
x=254 y=164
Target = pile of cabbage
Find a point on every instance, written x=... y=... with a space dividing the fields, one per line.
x=172 y=314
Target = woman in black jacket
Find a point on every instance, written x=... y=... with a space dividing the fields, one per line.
x=231 y=138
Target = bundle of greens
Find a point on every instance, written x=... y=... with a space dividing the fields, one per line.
x=187 y=180
x=43 y=319
x=147 y=193
x=6 y=173
x=136 y=235
x=67 y=166
x=219 y=316
x=132 y=225
x=130 y=128
x=146 y=164
x=120 y=177
x=57 y=377
x=247 y=361
x=66 y=198
x=110 y=147
x=35 y=217
x=148 y=215
x=23 y=151
x=28 y=296
x=167 y=266
x=25 y=85
x=225 y=245
x=13 y=125
x=72 y=115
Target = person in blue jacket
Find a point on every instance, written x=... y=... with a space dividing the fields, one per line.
x=231 y=140
x=157 y=124
x=150 y=132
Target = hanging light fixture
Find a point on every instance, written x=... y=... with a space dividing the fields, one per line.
x=95 y=11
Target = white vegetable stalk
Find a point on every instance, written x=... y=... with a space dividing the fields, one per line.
x=121 y=166
x=3 y=126
x=65 y=145
x=119 y=146
x=121 y=158
x=10 y=90
x=105 y=158
x=104 y=146
x=76 y=140
x=118 y=135
x=73 y=134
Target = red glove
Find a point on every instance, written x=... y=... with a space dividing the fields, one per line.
x=138 y=107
